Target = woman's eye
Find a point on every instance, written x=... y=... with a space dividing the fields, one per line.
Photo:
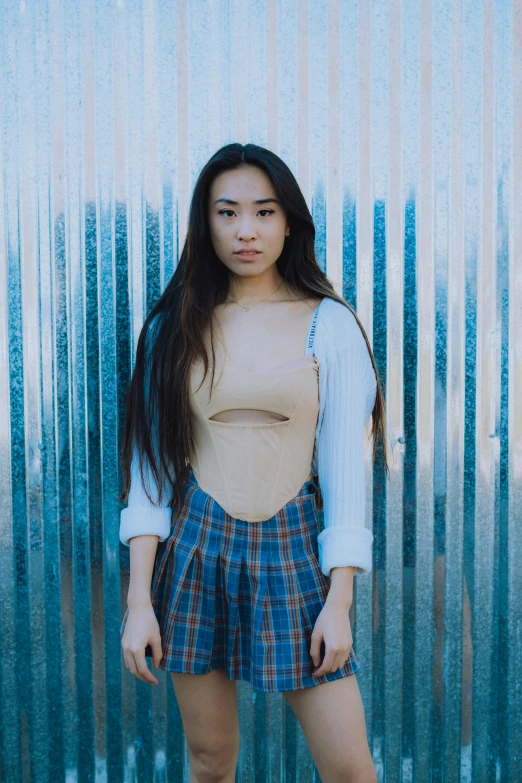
x=270 y=211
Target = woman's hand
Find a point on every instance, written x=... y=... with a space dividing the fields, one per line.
x=332 y=626
x=141 y=629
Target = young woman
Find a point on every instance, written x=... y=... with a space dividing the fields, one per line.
x=227 y=445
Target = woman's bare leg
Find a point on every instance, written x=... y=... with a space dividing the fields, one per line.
x=332 y=718
x=208 y=707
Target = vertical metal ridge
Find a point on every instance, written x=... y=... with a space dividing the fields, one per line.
x=486 y=435
x=12 y=567
x=513 y=762
x=457 y=610
x=424 y=576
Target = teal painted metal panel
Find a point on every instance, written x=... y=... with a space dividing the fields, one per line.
x=402 y=123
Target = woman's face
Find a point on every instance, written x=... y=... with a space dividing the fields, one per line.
x=237 y=223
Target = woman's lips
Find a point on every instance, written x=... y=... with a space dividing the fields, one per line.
x=247 y=254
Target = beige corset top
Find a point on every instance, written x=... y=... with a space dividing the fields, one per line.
x=253 y=470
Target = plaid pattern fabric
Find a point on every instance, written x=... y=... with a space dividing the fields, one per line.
x=242 y=596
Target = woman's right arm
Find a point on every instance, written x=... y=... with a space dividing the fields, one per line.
x=141 y=628
x=144 y=522
x=142 y=525
x=142 y=557
x=141 y=517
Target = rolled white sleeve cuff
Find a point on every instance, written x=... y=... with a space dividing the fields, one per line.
x=345 y=546
x=144 y=521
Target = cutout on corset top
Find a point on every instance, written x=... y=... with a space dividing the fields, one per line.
x=247 y=416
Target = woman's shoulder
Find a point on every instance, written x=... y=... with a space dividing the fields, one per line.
x=339 y=338
x=337 y=325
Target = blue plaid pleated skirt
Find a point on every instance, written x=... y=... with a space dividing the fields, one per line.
x=242 y=596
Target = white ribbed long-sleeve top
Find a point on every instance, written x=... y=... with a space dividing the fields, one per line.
x=347 y=391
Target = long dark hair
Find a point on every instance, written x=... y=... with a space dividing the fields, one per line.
x=157 y=414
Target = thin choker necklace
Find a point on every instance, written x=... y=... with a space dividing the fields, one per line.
x=250 y=307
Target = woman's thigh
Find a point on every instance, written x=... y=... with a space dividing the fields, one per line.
x=332 y=718
x=208 y=707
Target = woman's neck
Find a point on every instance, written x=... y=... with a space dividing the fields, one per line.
x=246 y=289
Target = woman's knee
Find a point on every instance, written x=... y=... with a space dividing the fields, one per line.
x=213 y=764
x=363 y=773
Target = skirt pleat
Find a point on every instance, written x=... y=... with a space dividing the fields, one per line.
x=242 y=596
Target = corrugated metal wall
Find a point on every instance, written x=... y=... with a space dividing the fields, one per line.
x=403 y=124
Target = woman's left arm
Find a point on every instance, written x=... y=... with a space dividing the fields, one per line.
x=341 y=586
x=345 y=544
x=351 y=387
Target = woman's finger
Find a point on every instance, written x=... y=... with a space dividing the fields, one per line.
x=315 y=647
x=326 y=665
x=143 y=671
x=340 y=661
x=132 y=662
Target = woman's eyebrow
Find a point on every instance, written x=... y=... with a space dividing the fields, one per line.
x=259 y=201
